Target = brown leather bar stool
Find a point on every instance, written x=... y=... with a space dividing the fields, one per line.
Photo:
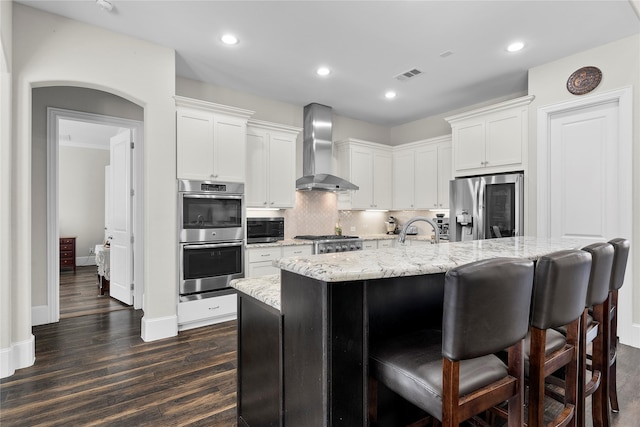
x=620 y=256
x=559 y=294
x=453 y=374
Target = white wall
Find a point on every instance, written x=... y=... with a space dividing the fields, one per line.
x=434 y=126
x=81 y=196
x=620 y=65
x=49 y=50
x=7 y=366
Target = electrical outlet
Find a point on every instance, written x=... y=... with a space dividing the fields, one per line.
x=353 y=228
x=92 y=251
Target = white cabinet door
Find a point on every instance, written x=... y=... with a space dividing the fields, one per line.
x=469 y=145
x=256 y=193
x=259 y=269
x=382 y=172
x=426 y=177
x=282 y=170
x=210 y=140
x=194 y=144
x=491 y=139
x=362 y=176
x=444 y=175
x=229 y=142
x=386 y=243
x=504 y=139
x=403 y=179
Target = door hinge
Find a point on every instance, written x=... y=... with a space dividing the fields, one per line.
x=132 y=145
x=132 y=238
x=133 y=192
x=132 y=286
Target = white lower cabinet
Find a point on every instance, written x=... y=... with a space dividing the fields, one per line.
x=208 y=311
x=260 y=260
x=377 y=244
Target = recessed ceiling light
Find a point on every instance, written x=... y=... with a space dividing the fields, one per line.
x=105 y=5
x=229 y=39
x=323 y=71
x=390 y=94
x=514 y=47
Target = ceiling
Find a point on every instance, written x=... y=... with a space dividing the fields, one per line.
x=366 y=44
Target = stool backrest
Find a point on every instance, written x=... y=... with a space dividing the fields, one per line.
x=560 y=288
x=620 y=256
x=486 y=307
x=599 y=280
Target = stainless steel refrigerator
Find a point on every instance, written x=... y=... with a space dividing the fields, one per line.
x=486 y=207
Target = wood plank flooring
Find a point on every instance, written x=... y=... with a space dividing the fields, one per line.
x=96 y=370
x=79 y=294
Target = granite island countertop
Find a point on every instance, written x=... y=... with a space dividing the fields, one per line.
x=265 y=289
x=412 y=261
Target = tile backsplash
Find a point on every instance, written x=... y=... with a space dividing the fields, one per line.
x=316 y=212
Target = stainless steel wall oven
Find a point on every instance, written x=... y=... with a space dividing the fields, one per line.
x=211 y=232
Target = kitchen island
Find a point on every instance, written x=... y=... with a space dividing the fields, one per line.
x=333 y=307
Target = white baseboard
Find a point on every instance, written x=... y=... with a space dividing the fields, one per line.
x=159 y=328
x=633 y=338
x=19 y=355
x=40 y=315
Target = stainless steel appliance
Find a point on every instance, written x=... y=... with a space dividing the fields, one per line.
x=265 y=230
x=210 y=211
x=332 y=243
x=486 y=207
x=211 y=236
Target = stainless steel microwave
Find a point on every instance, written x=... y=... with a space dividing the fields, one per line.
x=265 y=230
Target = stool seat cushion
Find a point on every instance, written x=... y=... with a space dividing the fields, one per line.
x=554 y=341
x=411 y=365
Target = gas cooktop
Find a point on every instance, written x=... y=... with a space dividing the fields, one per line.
x=332 y=243
x=325 y=237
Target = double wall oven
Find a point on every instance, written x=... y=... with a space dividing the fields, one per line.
x=211 y=232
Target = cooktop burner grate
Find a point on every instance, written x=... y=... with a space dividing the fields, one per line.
x=325 y=237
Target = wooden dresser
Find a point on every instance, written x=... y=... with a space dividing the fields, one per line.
x=68 y=253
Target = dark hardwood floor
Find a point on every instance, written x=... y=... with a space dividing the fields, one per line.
x=96 y=370
x=79 y=294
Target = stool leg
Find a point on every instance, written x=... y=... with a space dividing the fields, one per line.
x=600 y=399
x=536 y=376
x=613 y=345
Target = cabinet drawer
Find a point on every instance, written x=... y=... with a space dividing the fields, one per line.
x=369 y=245
x=385 y=243
x=193 y=311
x=66 y=255
x=66 y=262
x=64 y=241
x=66 y=248
x=288 y=251
x=264 y=254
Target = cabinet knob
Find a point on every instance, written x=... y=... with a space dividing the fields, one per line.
x=264 y=203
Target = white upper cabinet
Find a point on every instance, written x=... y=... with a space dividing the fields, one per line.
x=369 y=166
x=421 y=174
x=271 y=165
x=492 y=139
x=210 y=140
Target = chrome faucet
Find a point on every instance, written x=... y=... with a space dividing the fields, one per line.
x=403 y=233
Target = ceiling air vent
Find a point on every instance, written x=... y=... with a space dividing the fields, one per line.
x=403 y=77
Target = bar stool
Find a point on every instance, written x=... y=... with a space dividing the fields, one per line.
x=620 y=256
x=594 y=331
x=453 y=374
x=559 y=294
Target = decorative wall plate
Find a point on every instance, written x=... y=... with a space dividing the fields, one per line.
x=584 y=80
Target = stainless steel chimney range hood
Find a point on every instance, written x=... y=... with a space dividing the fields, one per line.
x=317 y=148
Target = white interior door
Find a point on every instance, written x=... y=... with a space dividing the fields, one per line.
x=121 y=227
x=583 y=174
